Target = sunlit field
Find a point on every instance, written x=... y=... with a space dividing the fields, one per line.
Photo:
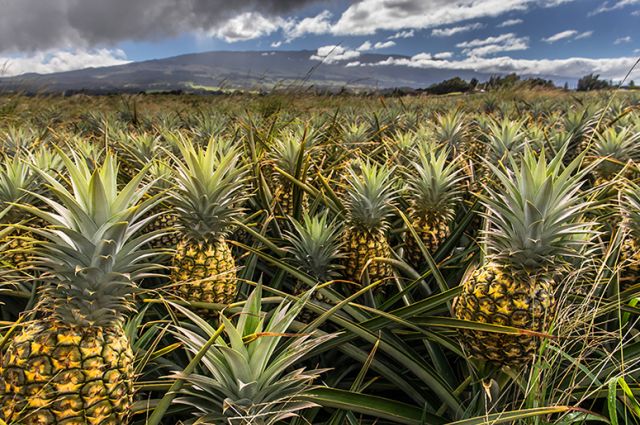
x=320 y=259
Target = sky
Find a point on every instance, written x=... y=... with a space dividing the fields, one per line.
x=566 y=38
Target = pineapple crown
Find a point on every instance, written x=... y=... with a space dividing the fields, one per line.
x=314 y=244
x=370 y=195
x=617 y=148
x=504 y=137
x=534 y=214
x=450 y=129
x=16 y=179
x=630 y=206
x=434 y=182
x=138 y=149
x=91 y=255
x=210 y=188
x=288 y=150
x=247 y=377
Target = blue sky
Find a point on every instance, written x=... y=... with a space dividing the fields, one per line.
x=564 y=37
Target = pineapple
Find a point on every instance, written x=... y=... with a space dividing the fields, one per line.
x=209 y=191
x=533 y=229
x=434 y=192
x=75 y=365
x=314 y=245
x=164 y=218
x=16 y=178
x=614 y=149
x=369 y=202
x=630 y=249
x=288 y=151
x=249 y=377
x=136 y=151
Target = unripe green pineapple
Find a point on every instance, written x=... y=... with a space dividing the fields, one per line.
x=434 y=191
x=75 y=365
x=534 y=218
x=369 y=202
x=207 y=197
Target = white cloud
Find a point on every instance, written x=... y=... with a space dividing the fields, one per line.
x=319 y=24
x=609 y=68
x=402 y=34
x=491 y=45
x=367 y=45
x=443 y=55
x=333 y=53
x=621 y=40
x=510 y=23
x=247 y=26
x=368 y=16
x=608 y=6
x=61 y=60
x=560 y=36
x=448 y=32
x=276 y=44
x=636 y=13
x=384 y=44
x=582 y=35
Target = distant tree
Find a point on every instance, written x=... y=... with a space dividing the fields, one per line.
x=592 y=82
x=632 y=84
x=474 y=83
x=452 y=85
x=566 y=86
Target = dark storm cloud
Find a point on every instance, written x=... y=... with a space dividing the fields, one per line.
x=29 y=25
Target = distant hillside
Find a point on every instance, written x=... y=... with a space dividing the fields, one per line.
x=213 y=71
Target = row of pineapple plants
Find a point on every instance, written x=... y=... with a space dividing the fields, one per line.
x=362 y=210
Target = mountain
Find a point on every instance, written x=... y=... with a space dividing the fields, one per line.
x=221 y=70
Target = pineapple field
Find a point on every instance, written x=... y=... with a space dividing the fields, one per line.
x=316 y=259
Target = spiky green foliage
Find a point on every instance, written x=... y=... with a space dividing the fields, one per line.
x=370 y=195
x=209 y=189
x=630 y=209
x=91 y=257
x=434 y=183
x=614 y=149
x=17 y=178
x=248 y=377
x=314 y=245
x=534 y=216
x=505 y=137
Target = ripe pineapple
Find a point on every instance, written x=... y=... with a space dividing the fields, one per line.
x=534 y=221
x=75 y=365
x=314 y=245
x=630 y=249
x=369 y=202
x=209 y=191
x=434 y=193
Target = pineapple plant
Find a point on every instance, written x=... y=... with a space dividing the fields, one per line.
x=17 y=182
x=533 y=228
x=288 y=153
x=434 y=193
x=613 y=149
x=314 y=246
x=248 y=377
x=630 y=248
x=207 y=197
x=369 y=201
x=75 y=365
